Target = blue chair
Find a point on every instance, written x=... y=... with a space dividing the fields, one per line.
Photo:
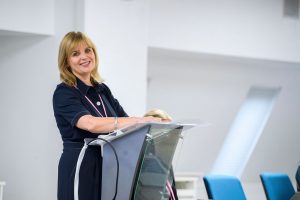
x=277 y=186
x=223 y=187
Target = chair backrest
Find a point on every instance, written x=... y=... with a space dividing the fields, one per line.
x=277 y=186
x=221 y=187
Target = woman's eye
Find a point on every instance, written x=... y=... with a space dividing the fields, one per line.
x=75 y=53
x=88 y=50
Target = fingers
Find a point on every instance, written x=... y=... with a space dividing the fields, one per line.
x=152 y=119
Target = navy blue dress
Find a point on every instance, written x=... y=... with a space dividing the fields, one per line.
x=69 y=104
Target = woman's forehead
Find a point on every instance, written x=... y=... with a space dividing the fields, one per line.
x=80 y=45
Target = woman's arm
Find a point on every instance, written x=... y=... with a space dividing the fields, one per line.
x=109 y=124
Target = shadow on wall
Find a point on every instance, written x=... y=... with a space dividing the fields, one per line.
x=21 y=42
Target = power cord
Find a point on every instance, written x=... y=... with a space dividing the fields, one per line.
x=117 y=160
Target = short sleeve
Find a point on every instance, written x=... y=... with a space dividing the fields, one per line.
x=67 y=105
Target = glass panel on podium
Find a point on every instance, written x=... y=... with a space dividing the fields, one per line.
x=145 y=153
x=155 y=163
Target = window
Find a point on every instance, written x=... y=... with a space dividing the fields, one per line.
x=245 y=131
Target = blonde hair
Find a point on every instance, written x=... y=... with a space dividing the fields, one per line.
x=70 y=41
x=158 y=113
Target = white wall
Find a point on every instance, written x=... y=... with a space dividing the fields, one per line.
x=119 y=29
x=30 y=16
x=203 y=58
x=255 y=29
x=30 y=144
x=195 y=87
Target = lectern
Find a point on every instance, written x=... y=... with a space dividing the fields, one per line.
x=144 y=153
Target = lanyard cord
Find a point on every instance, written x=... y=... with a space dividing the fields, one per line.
x=96 y=107
x=170 y=190
x=93 y=104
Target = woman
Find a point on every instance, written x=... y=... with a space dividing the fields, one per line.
x=84 y=107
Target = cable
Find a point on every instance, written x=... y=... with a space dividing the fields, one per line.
x=117 y=160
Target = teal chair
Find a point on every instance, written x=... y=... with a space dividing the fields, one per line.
x=223 y=187
x=277 y=186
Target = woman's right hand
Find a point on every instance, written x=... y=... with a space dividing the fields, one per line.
x=151 y=119
x=145 y=119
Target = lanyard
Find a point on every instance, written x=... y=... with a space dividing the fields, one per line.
x=96 y=107
x=170 y=190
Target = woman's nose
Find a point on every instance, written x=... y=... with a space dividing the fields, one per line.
x=83 y=56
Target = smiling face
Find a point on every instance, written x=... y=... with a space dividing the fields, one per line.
x=78 y=57
x=82 y=61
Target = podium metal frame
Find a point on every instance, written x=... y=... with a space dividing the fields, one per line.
x=145 y=153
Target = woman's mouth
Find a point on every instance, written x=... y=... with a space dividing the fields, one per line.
x=85 y=64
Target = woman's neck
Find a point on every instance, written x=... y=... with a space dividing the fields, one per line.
x=86 y=80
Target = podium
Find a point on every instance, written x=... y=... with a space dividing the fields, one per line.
x=144 y=153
